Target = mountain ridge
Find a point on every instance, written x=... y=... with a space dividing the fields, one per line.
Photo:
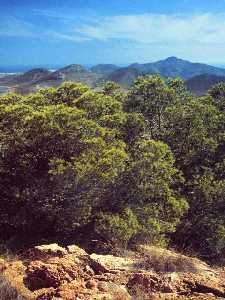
x=170 y=67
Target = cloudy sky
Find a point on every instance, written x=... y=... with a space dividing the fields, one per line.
x=48 y=32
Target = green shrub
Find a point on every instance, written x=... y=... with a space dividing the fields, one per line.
x=118 y=228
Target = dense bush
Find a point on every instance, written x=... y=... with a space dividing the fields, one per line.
x=118 y=228
x=143 y=166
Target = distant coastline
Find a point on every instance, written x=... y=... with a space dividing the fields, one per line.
x=4 y=90
x=10 y=70
x=23 y=69
x=8 y=73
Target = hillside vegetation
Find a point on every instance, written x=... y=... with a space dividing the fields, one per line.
x=143 y=167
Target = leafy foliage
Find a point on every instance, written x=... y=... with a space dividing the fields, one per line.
x=118 y=228
x=143 y=166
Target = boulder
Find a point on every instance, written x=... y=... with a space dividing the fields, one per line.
x=46 y=275
x=109 y=263
x=146 y=282
x=74 y=249
x=97 y=266
x=44 y=251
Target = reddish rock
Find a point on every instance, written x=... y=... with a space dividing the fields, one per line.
x=71 y=291
x=46 y=294
x=45 y=275
x=147 y=281
x=61 y=274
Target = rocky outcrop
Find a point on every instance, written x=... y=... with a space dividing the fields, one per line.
x=53 y=272
x=45 y=251
x=45 y=275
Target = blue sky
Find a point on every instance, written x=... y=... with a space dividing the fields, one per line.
x=116 y=31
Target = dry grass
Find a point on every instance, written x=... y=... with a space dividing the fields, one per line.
x=138 y=293
x=7 y=255
x=12 y=271
x=8 y=292
x=166 y=261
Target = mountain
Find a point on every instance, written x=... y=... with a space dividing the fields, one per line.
x=104 y=69
x=28 y=77
x=169 y=67
x=71 y=70
x=175 y=67
x=72 y=73
x=202 y=83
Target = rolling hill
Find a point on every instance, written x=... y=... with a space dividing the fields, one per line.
x=202 y=83
x=124 y=76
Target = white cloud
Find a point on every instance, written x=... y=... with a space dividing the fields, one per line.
x=67 y=37
x=146 y=30
x=157 y=29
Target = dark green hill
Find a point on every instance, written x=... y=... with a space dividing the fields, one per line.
x=104 y=69
x=124 y=76
x=202 y=83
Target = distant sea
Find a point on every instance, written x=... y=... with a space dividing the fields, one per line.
x=13 y=69
x=22 y=69
x=3 y=89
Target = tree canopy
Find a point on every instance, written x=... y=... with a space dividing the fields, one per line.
x=145 y=165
